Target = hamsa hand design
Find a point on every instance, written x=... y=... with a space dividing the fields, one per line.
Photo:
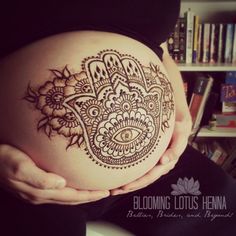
x=120 y=107
x=121 y=113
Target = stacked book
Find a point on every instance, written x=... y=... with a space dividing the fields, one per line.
x=225 y=120
x=194 y=42
x=228 y=93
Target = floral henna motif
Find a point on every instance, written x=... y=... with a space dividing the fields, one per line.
x=115 y=107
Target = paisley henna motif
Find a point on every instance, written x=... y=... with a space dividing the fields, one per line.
x=115 y=108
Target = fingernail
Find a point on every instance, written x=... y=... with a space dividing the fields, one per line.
x=103 y=194
x=117 y=192
x=165 y=160
x=60 y=183
x=106 y=194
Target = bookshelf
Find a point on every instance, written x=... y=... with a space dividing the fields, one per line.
x=212 y=11
x=196 y=67
x=205 y=132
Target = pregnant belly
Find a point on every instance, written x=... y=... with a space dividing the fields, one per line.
x=96 y=108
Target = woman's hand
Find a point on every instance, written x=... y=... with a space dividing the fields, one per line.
x=167 y=161
x=155 y=173
x=178 y=142
x=20 y=175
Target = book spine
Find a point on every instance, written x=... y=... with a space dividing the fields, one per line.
x=230 y=77
x=212 y=31
x=199 y=44
x=206 y=93
x=228 y=107
x=228 y=92
x=214 y=42
x=229 y=43
x=220 y=43
x=222 y=159
x=195 y=38
x=170 y=44
x=197 y=96
x=176 y=42
x=216 y=155
x=225 y=120
x=234 y=46
x=206 y=43
x=210 y=108
x=182 y=40
x=189 y=35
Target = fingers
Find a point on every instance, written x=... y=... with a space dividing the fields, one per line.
x=20 y=175
x=145 y=180
x=177 y=146
x=65 y=196
x=16 y=165
x=29 y=173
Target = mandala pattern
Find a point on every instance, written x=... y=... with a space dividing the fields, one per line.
x=114 y=108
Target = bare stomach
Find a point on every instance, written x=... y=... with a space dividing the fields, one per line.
x=96 y=108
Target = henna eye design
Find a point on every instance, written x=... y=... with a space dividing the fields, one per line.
x=126 y=135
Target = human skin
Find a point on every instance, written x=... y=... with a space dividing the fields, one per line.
x=43 y=196
x=182 y=130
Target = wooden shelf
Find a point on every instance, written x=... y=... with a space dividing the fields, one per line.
x=207 y=67
x=205 y=132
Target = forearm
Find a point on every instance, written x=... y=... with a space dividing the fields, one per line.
x=182 y=110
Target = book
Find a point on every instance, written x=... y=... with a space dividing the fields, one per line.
x=234 y=46
x=210 y=108
x=230 y=77
x=221 y=40
x=223 y=129
x=199 y=43
x=182 y=40
x=201 y=91
x=170 y=44
x=196 y=98
x=229 y=43
x=206 y=43
x=176 y=47
x=189 y=16
x=218 y=155
x=195 y=38
x=228 y=107
x=222 y=158
x=225 y=120
x=228 y=92
x=214 y=35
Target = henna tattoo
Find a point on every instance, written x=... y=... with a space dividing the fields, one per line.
x=115 y=107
